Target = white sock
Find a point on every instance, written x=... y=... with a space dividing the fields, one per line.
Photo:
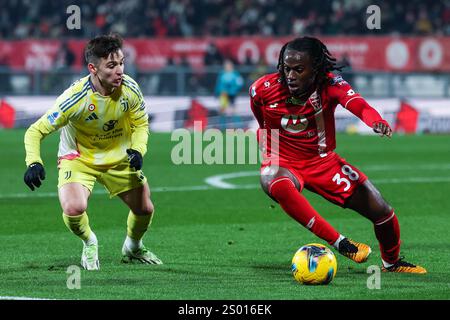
x=336 y=244
x=132 y=244
x=92 y=239
x=386 y=264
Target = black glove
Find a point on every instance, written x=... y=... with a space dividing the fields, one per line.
x=135 y=159
x=33 y=176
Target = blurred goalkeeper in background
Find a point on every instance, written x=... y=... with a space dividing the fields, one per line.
x=299 y=102
x=103 y=138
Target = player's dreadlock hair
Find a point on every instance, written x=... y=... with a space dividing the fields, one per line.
x=322 y=60
x=101 y=47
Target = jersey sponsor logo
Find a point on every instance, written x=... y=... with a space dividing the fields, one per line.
x=108 y=126
x=92 y=116
x=350 y=92
x=294 y=123
x=52 y=117
x=273 y=105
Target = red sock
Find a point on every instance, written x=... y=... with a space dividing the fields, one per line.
x=387 y=231
x=296 y=205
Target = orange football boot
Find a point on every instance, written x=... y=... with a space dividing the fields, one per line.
x=401 y=266
x=358 y=252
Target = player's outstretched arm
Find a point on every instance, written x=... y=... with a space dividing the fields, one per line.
x=360 y=108
x=35 y=171
x=353 y=102
x=32 y=141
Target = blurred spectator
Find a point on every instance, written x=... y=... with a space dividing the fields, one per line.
x=347 y=72
x=63 y=65
x=213 y=61
x=191 y=79
x=229 y=83
x=184 y=18
x=5 y=76
x=212 y=56
x=423 y=24
x=260 y=70
x=167 y=78
x=65 y=58
x=248 y=60
x=130 y=68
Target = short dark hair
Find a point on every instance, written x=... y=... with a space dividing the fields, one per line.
x=101 y=47
x=322 y=60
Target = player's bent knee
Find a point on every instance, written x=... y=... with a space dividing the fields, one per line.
x=268 y=180
x=74 y=208
x=149 y=209
x=377 y=203
x=368 y=201
x=146 y=210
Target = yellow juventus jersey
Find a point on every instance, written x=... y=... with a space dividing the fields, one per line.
x=96 y=129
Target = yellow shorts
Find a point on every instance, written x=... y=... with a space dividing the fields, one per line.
x=116 y=179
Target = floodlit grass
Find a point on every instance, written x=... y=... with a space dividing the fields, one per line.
x=224 y=244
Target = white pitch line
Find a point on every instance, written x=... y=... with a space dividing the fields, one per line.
x=22 y=298
x=391 y=167
x=411 y=180
x=216 y=182
x=101 y=191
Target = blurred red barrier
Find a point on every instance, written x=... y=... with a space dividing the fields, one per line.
x=407 y=118
x=7 y=115
x=385 y=53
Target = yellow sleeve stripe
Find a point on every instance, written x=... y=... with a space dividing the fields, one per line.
x=133 y=88
x=144 y=115
x=67 y=104
x=131 y=82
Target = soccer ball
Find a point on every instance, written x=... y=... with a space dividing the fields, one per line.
x=314 y=263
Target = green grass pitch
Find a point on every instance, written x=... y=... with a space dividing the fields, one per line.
x=224 y=243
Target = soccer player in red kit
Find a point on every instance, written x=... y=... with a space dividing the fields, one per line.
x=299 y=102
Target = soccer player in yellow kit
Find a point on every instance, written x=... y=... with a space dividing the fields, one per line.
x=103 y=138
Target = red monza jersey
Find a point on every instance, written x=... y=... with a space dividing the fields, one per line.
x=306 y=129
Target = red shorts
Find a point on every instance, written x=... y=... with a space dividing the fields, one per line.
x=332 y=177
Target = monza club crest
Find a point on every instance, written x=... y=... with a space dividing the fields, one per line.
x=294 y=123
